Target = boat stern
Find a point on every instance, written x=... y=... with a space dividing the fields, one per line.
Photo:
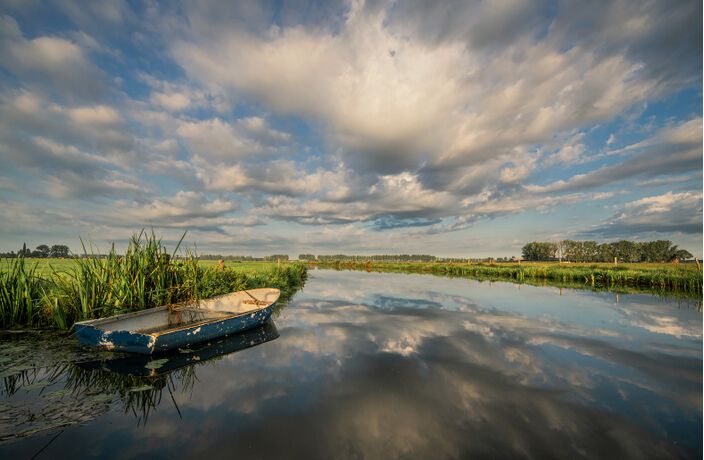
x=134 y=342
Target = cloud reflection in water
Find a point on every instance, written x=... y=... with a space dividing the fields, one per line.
x=386 y=365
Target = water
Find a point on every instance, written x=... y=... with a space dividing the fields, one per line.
x=369 y=365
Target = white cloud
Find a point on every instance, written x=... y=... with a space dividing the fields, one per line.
x=673 y=149
x=46 y=59
x=666 y=213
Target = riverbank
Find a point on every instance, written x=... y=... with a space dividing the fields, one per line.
x=145 y=276
x=683 y=279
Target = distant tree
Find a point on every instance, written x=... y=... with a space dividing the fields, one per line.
x=275 y=257
x=539 y=251
x=625 y=251
x=591 y=251
x=59 y=251
x=42 y=251
x=658 y=251
x=560 y=248
x=24 y=252
x=306 y=257
x=682 y=254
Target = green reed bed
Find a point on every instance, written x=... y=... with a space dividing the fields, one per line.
x=662 y=277
x=145 y=276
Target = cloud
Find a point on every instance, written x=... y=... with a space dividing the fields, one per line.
x=392 y=198
x=371 y=119
x=384 y=108
x=666 y=214
x=571 y=152
x=52 y=63
x=186 y=209
x=672 y=150
x=218 y=139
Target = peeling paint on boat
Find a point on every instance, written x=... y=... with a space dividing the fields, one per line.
x=108 y=345
x=151 y=331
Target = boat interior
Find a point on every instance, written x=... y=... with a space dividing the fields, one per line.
x=191 y=313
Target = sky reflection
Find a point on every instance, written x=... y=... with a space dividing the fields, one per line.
x=386 y=365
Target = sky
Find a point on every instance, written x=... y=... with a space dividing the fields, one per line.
x=452 y=128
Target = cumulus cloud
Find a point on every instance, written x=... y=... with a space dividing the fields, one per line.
x=667 y=213
x=186 y=209
x=55 y=60
x=672 y=150
x=381 y=118
x=382 y=93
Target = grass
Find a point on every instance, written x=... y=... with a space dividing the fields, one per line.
x=51 y=265
x=58 y=292
x=683 y=278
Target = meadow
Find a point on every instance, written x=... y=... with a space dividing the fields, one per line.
x=51 y=265
x=56 y=293
x=684 y=279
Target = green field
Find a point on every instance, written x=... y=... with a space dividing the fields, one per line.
x=48 y=266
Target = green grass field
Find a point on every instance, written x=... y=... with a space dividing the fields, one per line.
x=47 y=266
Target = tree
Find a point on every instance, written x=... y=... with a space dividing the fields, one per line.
x=59 y=251
x=658 y=251
x=682 y=254
x=539 y=251
x=626 y=251
x=560 y=248
x=25 y=251
x=306 y=257
x=42 y=251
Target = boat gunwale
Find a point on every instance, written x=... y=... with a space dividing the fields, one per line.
x=204 y=322
x=101 y=321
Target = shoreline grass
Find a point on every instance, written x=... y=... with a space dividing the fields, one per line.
x=145 y=276
x=661 y=278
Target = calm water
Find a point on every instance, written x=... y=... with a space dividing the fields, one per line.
x=369 y=365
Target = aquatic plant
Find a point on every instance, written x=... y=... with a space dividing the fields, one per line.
x=145 y=276
x=20 y=292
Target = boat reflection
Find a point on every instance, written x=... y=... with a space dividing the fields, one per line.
x=164 y=363
x=139 y=381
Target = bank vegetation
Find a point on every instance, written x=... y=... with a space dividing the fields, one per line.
x=144 y=276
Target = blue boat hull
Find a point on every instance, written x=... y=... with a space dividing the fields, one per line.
x=181 y=337
x=142 y=365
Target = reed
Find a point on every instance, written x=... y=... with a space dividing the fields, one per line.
x=20 y=292
x=659 y=277
x=145 y=276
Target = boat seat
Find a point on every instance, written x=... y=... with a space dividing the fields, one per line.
x=254 y=302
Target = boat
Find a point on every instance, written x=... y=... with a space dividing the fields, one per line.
x=134 y=365
x=181 y=325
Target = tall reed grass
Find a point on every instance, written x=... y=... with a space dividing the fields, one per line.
x=145 y=276
x=661 y=278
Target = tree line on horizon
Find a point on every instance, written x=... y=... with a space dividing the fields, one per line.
x=591 y=251
x=271 y=258
x=43 y=251
x=374 y=258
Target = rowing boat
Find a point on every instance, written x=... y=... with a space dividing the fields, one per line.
x=139 y=365
x=178 y=326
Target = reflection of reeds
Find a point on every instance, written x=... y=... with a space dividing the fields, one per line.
x=90 y=387
x=145 y=276
x=139 y=395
